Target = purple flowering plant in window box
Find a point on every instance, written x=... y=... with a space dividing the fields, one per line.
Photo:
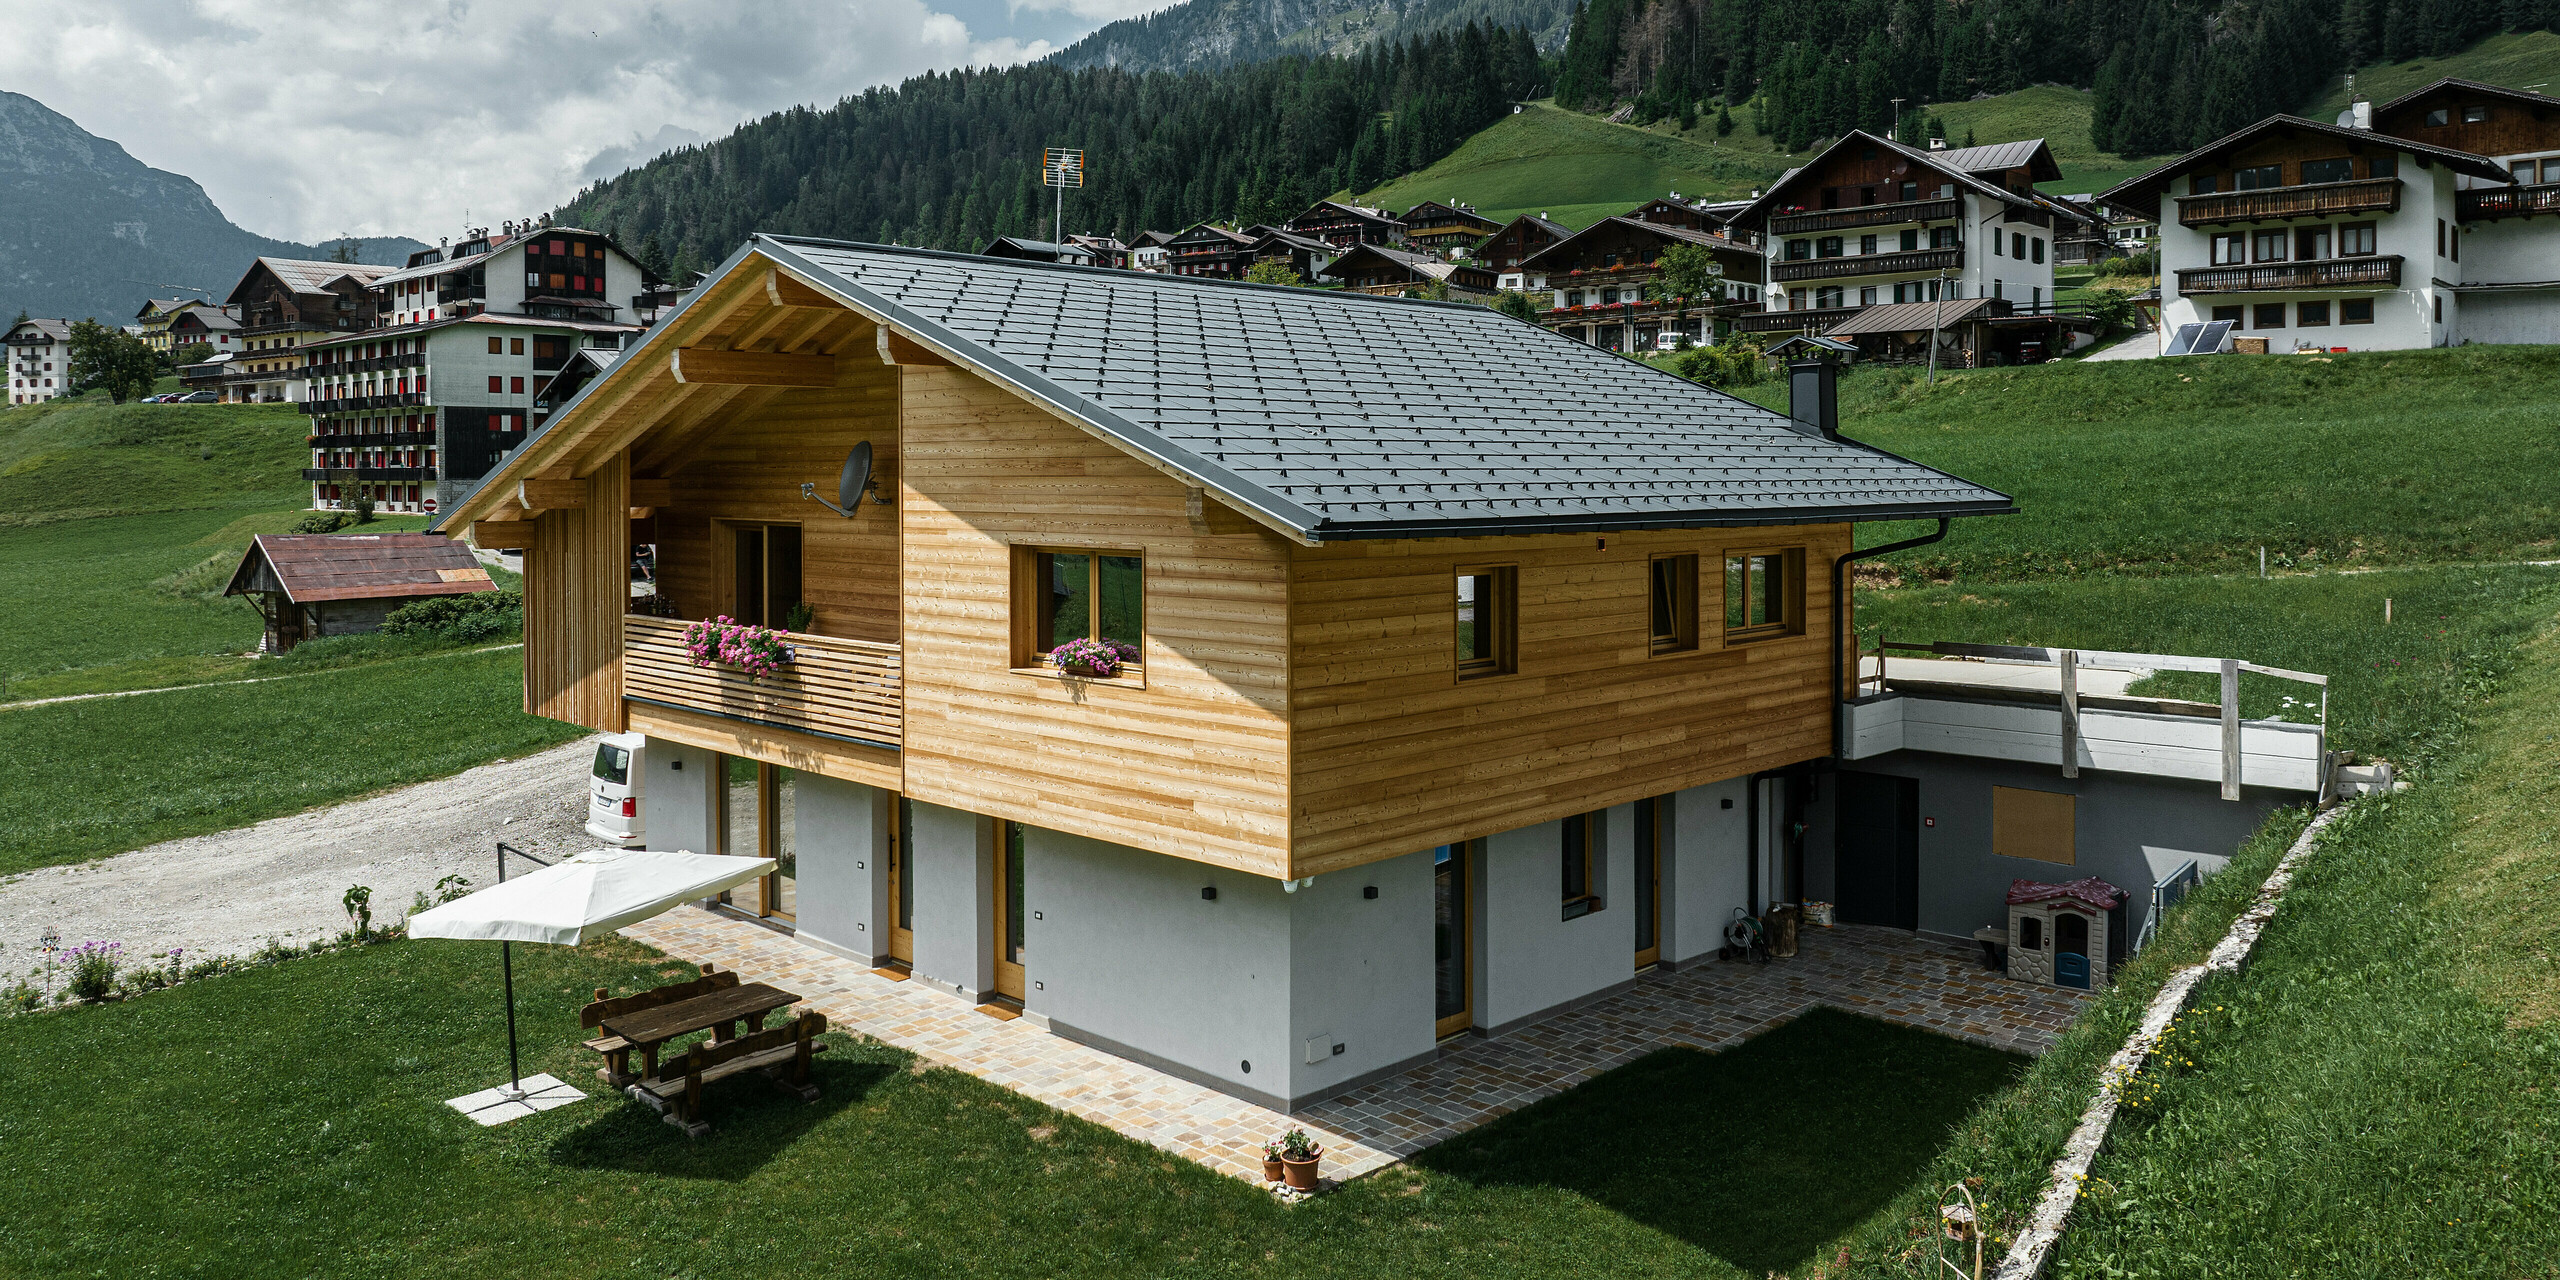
x=1101 y=659
x=758 y=652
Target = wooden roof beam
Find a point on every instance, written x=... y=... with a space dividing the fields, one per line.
x=706 y=367
x=897 y=348
x=538 y=496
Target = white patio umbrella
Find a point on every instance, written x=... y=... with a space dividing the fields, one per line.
x=562 y=904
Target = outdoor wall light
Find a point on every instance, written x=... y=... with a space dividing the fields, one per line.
x=1369 y=891
x=1209 y=893
x=677 y=765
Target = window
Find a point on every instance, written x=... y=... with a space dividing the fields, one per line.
x=515 y=386
x=1911 y=239
x=2270 y=245
x=2035 y=248
x=2032 y=824
x=2201 y=184
x=2030 y=933
x=2475 y=115
x=1761 y=594
x=2355 y=238
x=1830 y=295
x=2383 y=166
x=1942 y=237
x=1063 y=593
x=497 y=383
x=1867 y=296
x=2230 y=313
x=2439 y=117
x=2338 y=170
x=1487 y=621
x=2550 y=172
x=2439 y=237
x=2439 y=308
x=2311 y=315
x=495 y=346
x=1799 y=250
x=1866 y=244
x=2355 y=311
x=1608 y=297
x=1675 y=603
x=2310 y=244
x=2258 y=178
x=2267 y=315
x=1828 y=247
x=1995 y=244
x=2523 y=170
x=1581 y=885
x=1908 y=191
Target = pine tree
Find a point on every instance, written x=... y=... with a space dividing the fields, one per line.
x=1724 y=121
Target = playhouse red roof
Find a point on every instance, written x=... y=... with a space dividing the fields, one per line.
x=2091 y=891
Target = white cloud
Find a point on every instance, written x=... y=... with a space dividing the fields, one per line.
x=1098 y=11
x=382 y=117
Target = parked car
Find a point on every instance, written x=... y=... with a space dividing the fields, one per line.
x=613 y=790
x=200 y=397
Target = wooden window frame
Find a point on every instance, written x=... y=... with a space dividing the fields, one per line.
x=1505 y=608
x=1579 y=885
x=1683 y=635
x=1029 y=657
x=1793 y=561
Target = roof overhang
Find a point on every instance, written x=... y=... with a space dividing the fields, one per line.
x=2141 y=196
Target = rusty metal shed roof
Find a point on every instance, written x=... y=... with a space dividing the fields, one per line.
x=364 y=566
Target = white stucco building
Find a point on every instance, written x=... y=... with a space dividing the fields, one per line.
x=39 y=360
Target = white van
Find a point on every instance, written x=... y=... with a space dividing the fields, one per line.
x=613 y=793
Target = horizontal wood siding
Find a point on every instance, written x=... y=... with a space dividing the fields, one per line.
x=1393 y=754
x=872 y=766
x=573 y=606
x=749 y=468
x=1195 y=763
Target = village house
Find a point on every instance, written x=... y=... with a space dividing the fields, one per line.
x=1106 y=251
x=1598 y=279
x=284 y=303
x=217 y=327
x=1211 y=251
x=39 y=356
x=1147 y=251
x=1042 y=251
x=311 y=585
x=1373 y=268
x=2409 y=224
x=154 y=318
x=1446 y=229
x=1514 y=244
x=1304 y=255
x=474 y=344
x=1872 y=223
x=1344 y=225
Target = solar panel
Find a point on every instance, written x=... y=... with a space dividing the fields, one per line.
x=2183 y=342
x=2215 y=337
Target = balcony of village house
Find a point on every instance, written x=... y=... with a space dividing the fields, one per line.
x=833 y=688
x=1816 y=221
x=1815 y=319
x=2310 y=200
x=2485 y=203
x=2381 y=272
x=1868 y=264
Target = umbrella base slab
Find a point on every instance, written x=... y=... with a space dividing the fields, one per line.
x=500 y=1104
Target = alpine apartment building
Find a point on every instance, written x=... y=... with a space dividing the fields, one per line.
x=283 y=305
x=39 y=355
x=1601 y=282
x=2409 y=224
x=471 y=346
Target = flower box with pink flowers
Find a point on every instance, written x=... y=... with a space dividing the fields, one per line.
x=758 y=652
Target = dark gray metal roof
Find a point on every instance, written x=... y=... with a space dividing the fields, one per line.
x=1343 y=415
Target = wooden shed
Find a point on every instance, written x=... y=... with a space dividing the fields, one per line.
x=312 y=585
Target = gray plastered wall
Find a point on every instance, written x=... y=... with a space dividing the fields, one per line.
x=840 y=831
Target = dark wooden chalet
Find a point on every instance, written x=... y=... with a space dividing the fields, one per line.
x=1372 y=268
x=1221 y=253
x=291 y=295
x=1672 y=211
x=1344 y=225
x=1598 y=276
x=312 y=585
x=1305 y=255
x=1441 y=227
x=1516 y=242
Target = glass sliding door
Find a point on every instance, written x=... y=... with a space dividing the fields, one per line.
x=758 y=818
x=1009 y=912
x=1650 y=816
x=1452 y=938
x=902 y=882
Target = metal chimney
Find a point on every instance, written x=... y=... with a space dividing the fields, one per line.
x=1813 y=397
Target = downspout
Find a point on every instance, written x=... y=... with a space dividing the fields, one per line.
x=1840 y=623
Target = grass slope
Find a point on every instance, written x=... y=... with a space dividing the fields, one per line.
x=86 y=457
x=305 y=1098
x=2190 y=465
x=2516 y=60
x=2056 y=114
x=1577 y=169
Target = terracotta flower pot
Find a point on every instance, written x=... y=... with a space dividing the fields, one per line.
x=1301 y=1174
x=1270 y=1170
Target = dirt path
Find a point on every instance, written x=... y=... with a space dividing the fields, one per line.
x=217 y=684
x=229 y=892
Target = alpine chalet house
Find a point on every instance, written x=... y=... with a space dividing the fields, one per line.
x=1402 y=273
x=2411 y=224
x=1507 y=248
x=1598 y=277
x=211 y=326
x=153 y=321
x=39 y=355
x=1210 y=250
x=1147 y=250
x=285 y=304
x=1304 y=255
x=1871 y=223
x=1261 y=683
x=1344 y=225
x=1030 y=250
x=476 y=342
x=1445 y=229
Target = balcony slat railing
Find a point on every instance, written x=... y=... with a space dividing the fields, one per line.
x=1868 y=264
x=2319 y=199
x=837 y=688
x=2505 y=202
x=2334 y=273
x=1865 y=215
x=1786 y=321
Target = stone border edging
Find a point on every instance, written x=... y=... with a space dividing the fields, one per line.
x=2034 y=1247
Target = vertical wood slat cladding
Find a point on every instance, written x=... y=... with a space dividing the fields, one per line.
x=1391 y=753
x=573 y=605
x=1195 y=764
x=751 y=470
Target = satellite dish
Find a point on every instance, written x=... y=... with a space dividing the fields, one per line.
x=851 y=483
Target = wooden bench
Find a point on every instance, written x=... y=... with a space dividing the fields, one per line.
x=781 y=1054
x=616 y=1071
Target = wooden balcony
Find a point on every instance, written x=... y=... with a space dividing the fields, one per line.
x=2333 y=273
x=1790 y=321
x=1868 y=264
x=2505 y=202
x=2315 y=200
x=847 y=690
x=1866 y=215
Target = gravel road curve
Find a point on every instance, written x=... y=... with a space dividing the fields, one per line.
x=228 y=893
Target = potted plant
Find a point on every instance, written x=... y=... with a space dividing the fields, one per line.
x=1298 y=1156
x=1095 y=659
x=757 y=651
x=1271 y=1170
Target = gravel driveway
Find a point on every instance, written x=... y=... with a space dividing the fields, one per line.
x=229 y=892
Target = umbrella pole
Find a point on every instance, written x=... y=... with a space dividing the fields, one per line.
x=507 y=966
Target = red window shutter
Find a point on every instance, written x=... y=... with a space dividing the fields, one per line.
x=515 y=386
x=495 y=384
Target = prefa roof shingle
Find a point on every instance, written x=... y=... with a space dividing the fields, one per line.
x=1342 y=415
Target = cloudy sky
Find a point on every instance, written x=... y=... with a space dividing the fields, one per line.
x=401 y=117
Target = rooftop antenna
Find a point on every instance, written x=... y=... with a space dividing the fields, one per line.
x=1061 y=168
x=1894 y=133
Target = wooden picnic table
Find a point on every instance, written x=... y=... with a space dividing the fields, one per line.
x=648 y=1029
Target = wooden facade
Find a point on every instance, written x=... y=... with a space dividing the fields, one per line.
x=2508 y=121
x=1295 y=708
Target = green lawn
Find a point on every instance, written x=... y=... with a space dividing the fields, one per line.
x=2514 y=59
x=2189 y=466
x=1542 y=158
x=288 y=1120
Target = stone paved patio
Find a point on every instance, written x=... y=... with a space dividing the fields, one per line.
x=1880 y=973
